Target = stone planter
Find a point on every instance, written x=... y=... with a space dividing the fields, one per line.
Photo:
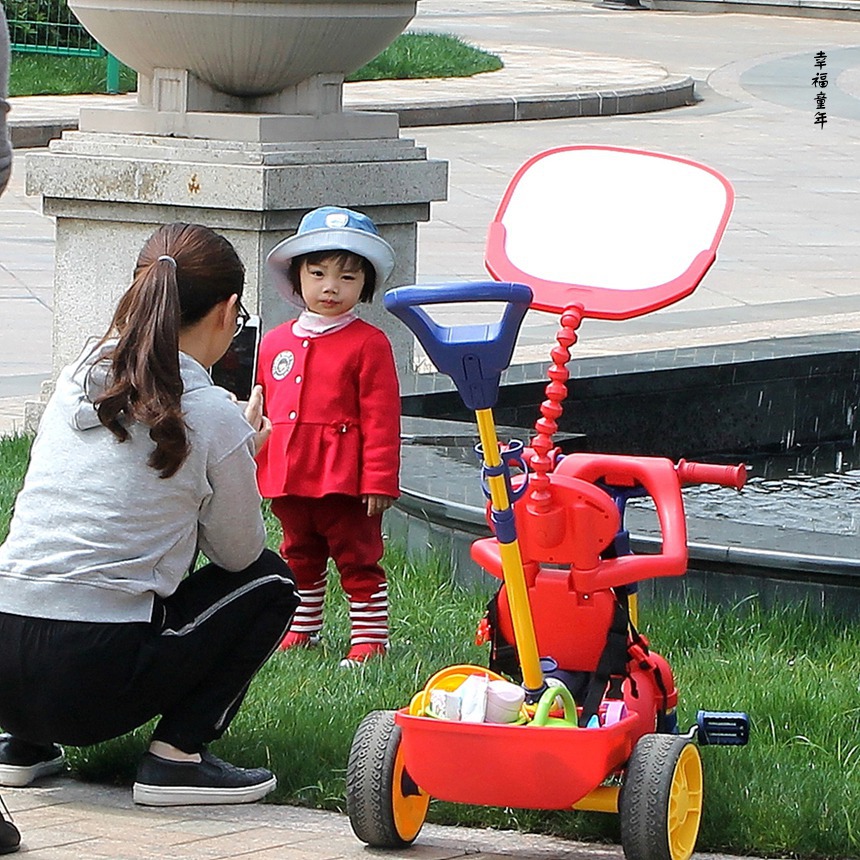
x=246 y=47
x=258 y=56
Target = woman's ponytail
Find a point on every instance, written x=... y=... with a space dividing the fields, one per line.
x=183 y=271
x=145 y=384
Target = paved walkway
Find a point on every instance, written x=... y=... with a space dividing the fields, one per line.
x=67 y=820
x=567 y=78
x=533 y=76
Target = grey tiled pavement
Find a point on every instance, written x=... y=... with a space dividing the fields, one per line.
x=68 y=820
x=788 y=265
x=26 y=292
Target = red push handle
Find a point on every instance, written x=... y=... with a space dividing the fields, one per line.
x=706 y=473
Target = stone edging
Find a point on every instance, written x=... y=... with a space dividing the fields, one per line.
x=29 y=133
x=837 y=10
x=678 y=91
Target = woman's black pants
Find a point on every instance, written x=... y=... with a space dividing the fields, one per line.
x=79 y=683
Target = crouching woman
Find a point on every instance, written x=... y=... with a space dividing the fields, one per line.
x=139 y=462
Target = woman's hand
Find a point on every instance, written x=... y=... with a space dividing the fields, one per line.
x=257 y=419
x=377 y=504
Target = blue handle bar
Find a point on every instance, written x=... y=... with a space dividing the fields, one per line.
x=474 y=356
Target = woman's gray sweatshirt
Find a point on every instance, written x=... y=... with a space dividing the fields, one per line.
x=96 y=533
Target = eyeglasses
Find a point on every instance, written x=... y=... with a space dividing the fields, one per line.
x=242 y=317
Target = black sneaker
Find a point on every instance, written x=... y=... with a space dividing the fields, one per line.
x=10 y=838
x=161 y=782
x=21 y=762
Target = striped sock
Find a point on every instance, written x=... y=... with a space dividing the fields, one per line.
x=309 y=616
x=369 y=621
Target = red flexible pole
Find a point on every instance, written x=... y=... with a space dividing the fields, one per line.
x=543 y=460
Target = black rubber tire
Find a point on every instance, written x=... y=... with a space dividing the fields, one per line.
x=655 y=824
x=374 y=791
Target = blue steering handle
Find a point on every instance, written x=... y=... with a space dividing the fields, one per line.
x=474 y=356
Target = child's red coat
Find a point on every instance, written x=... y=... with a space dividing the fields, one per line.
x=334 y=403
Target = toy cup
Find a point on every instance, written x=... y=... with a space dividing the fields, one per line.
x=504 y=701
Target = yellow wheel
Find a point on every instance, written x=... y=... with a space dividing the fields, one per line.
x=386 y=808
x=409 y=803
x=661 y=799
x=685 y=803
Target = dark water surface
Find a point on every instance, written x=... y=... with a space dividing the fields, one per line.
x=817 y=491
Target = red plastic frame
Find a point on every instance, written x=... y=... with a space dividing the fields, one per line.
x=576 y=545
x=596 y=301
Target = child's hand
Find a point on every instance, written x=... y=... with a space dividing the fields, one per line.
x=255 y=417
x=377 y=504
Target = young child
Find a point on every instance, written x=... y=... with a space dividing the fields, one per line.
x=331 y=464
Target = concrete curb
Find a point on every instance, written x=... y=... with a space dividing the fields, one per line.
x=678 y=91
x=29 y=133
x=837 y=10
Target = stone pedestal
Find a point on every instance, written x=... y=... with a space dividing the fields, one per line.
x=239 y=125
x=110 y=191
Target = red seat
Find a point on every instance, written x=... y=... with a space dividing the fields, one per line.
x=581 y=522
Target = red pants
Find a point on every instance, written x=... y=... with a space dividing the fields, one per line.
x=334 y=527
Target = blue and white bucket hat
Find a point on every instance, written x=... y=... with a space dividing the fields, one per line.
x=331 y=228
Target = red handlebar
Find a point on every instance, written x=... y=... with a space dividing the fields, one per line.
x=706 y=473
x=660 y=480
x=576 y=473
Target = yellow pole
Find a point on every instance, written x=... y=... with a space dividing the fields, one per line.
x=633 y=608
x=512 y=563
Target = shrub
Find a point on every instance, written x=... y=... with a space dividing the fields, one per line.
x=47 y=25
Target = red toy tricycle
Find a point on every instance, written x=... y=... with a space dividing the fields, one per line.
x=594 y=726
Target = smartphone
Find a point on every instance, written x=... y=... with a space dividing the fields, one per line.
x=236 y=370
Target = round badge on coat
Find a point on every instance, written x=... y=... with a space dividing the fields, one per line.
x=283 y=364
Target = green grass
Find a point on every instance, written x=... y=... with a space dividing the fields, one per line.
x=14 y=451
x=47 y=74
x=794 y=791
x=427 y=55
x=796 y=788
x=411 y=55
